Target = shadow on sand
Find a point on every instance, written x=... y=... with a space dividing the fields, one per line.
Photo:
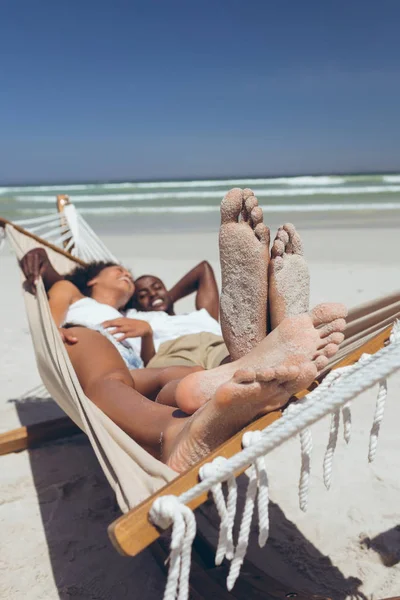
x=77 y=504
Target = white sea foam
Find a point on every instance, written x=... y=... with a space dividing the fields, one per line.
x=391 y=178
x=277 y=208
x=261 y=193
x=318 y=180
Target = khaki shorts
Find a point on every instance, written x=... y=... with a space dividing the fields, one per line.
x=198 y=349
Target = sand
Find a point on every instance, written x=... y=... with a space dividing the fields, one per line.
x=55 y=503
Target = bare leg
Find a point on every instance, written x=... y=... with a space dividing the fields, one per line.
x=288 y=277
x=106 y=380
x=244 y=256
x=151 y=381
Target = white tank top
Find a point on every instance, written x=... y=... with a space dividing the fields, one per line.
x=90 y=313
x=170 y=327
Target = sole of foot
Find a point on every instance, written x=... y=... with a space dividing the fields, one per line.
x=249 y=394
x=313 y=336
x=288 y=277
x=244 y=257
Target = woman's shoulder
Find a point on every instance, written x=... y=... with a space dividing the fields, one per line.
x=66 y=288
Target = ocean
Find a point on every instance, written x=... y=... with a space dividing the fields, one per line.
x=166 y=205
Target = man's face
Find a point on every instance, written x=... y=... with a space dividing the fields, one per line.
x=151 y=294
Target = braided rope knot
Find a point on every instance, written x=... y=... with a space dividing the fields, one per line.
x=166 y=511
x=226 y=510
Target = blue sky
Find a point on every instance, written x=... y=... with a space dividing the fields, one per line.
x=96 y=90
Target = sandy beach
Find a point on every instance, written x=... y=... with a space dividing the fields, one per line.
x=55 y=503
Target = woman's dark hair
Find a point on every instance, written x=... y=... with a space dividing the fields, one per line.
x=81 y=276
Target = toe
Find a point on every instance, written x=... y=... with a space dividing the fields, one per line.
x=307 y=374
x=231 y=206
x=329 y=350
x=334 y=338
x=295 y=243
x=249 y=204
x=244 y=376
x=266 y=375
x=281 y=373
x=282 y=235
x=321 y=362
x=247 y=192
x=257 y=216
x=326 y=313
x=336 y=326
x=293 y=372
x=278 y=248
x=262 y=233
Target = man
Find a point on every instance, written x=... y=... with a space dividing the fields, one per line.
x=192 y=339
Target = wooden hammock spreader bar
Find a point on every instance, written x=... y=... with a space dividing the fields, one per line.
x=31 y=436
x=133 y=532
x=62 y=201
x=4 y=222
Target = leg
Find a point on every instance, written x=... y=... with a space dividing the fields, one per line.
x=150 y=381
x=106 y=380
x=244 y=256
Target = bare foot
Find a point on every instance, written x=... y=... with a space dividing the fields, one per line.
x=236 y=403
x=233 y=395
x=244 y=256
x=288 y=277
x=308 y=337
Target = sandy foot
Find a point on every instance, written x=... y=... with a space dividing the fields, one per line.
x=244 y=257
x=288 y=277
x=233 y=395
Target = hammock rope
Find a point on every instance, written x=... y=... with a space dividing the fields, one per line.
x=68 y=230
x=332 y=396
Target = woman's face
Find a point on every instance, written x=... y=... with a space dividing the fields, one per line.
x=117 y=279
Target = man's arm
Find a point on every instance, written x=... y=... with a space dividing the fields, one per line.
x=201 y=280
x=36 y=263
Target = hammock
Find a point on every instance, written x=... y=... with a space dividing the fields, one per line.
x=138 y=479
x=68 y=230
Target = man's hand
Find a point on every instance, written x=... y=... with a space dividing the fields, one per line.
x=67 y=338
x=33 y=264
x=124 y=328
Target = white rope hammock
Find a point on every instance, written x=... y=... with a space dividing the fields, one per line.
x=331 y=397
x=69 y=231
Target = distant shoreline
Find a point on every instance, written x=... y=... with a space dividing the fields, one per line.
x=160 y=179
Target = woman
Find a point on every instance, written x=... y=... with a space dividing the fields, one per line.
x=102 y=290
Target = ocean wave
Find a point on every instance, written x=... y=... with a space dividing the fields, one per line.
x=317 y=180
x=391 y=178
x=262 y=193
x=306 y=180
x=59 y=189
x=360 y=206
